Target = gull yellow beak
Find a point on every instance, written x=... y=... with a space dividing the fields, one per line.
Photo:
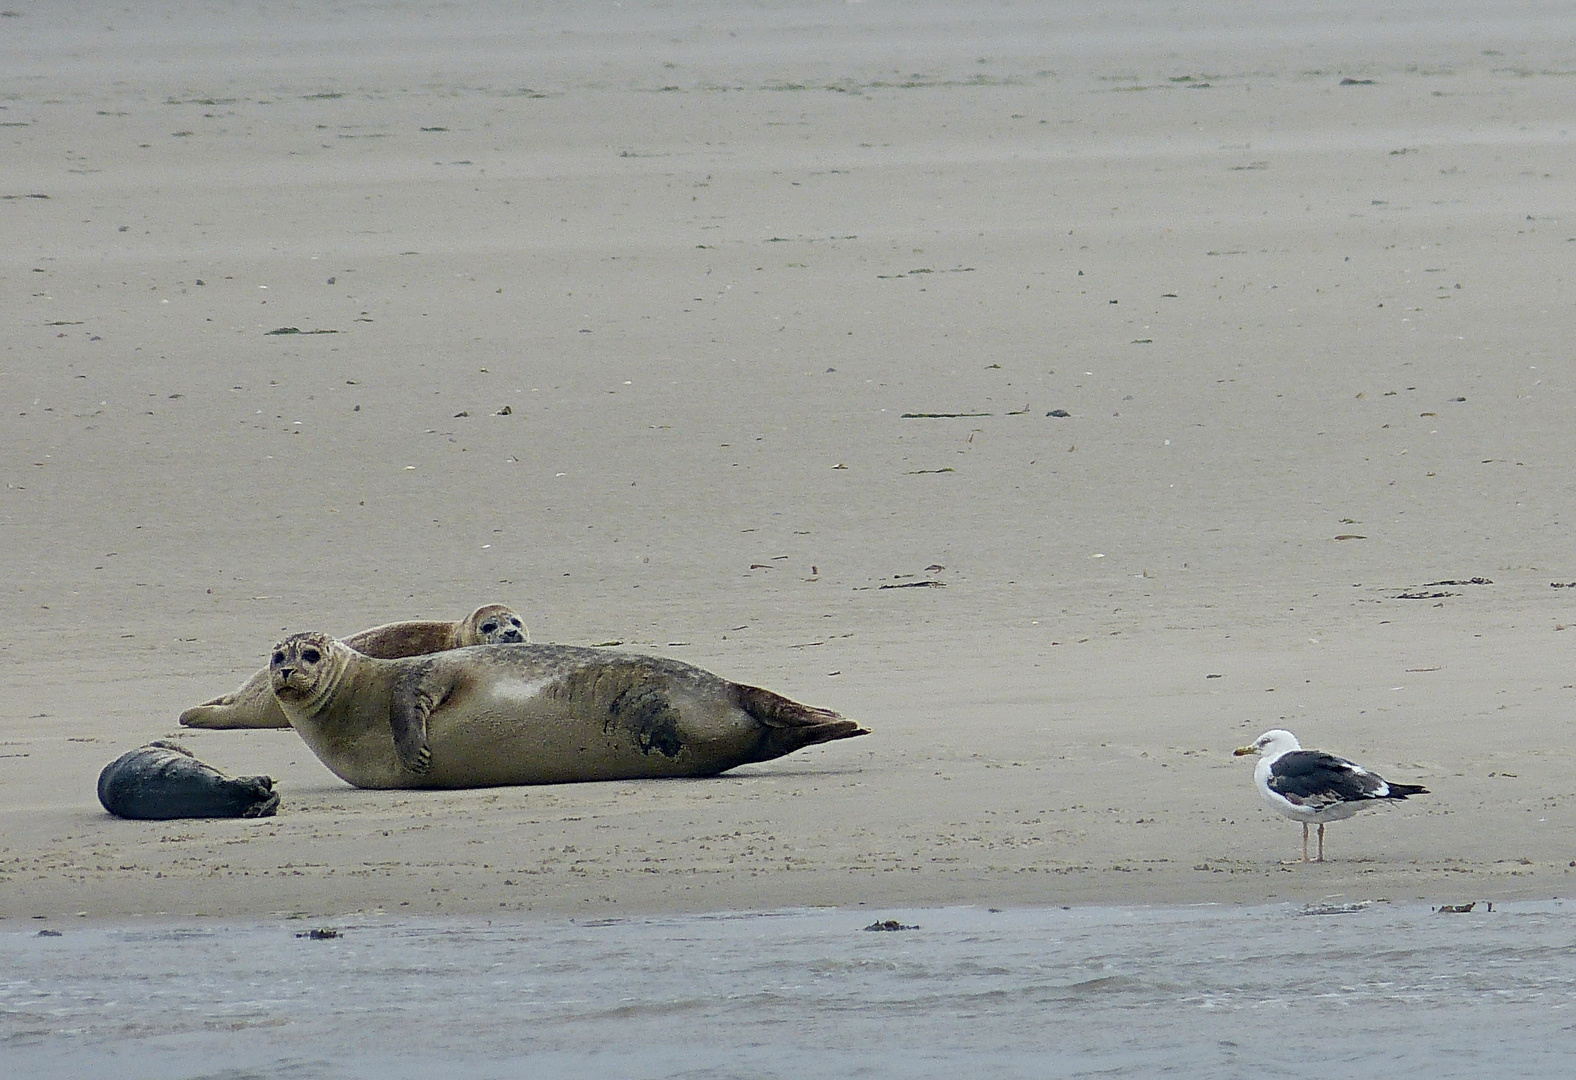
x=1239 y=751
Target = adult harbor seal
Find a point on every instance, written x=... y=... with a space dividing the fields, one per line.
x=163 y=780
x=253 y=705
x=529 y=714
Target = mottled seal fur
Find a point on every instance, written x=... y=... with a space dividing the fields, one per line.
x=163 y=780
x=253 y=705
x=529 y=714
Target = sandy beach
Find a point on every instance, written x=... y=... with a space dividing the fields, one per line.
x=1069 y=396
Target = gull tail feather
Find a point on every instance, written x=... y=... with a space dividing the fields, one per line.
x=1401 y=791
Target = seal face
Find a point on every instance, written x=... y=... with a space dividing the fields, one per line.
x=495 y=625
x=529 y=714
x=252 y=705
x=163 y=780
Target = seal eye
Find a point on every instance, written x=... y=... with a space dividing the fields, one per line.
x=311 y=656
x=279 y=657
x=489 y=627
x=514 y=622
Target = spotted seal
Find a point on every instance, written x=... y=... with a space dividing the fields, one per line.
x=529 y=714
x=164 y=780
x=253 y=705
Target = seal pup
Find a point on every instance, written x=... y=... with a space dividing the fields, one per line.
x=164 y=780
x=253 y=705
x=1311 y=786
x=529 y=714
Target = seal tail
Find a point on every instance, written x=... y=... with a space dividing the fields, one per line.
x=790 y=725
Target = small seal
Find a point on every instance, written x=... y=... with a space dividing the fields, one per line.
x=253 y=705
x=529 y=714
x=163 y=780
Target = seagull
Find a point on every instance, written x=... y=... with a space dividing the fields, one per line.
x=1312 y=786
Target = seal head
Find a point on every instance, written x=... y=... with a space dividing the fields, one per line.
x=492 y=624
x=304 y=669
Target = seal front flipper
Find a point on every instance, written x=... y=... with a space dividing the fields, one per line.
x=412 y=702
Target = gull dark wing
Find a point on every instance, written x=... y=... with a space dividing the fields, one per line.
x=1314 y=778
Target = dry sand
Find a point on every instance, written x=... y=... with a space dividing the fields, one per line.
x=1300 y=278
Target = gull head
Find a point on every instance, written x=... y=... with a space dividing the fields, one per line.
x=1271 y=743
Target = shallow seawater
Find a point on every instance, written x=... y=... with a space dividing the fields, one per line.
x=1206 y=991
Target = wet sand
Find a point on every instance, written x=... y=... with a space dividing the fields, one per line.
x=744 y=335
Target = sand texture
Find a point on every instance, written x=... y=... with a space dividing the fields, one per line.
x=1069 y=396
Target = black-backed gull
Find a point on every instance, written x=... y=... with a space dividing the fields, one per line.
x=1313 y=787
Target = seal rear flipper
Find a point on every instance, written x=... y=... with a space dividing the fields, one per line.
x=210 y=713
x=267 y=808
x=789 y=725
x=214 y=703
x=204 y=715
x=250 y=706
x=267 y=804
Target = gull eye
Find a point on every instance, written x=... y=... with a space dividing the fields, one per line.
x=279 y=657
x=311 y=656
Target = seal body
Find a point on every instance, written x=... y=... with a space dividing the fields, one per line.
x=529 y=714
x=253 y=704
x=164 y=780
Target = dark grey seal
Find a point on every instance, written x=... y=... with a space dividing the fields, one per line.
x=163 y=780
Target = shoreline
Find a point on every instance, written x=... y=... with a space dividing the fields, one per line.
x=303 y=925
